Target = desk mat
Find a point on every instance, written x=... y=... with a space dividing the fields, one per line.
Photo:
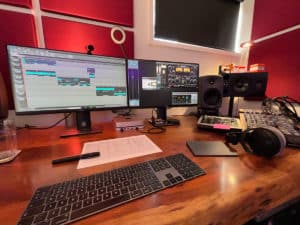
x=209 y=148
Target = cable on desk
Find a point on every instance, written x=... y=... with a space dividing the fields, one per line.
x=154 y=130
x=284 y=104
x=44 y=128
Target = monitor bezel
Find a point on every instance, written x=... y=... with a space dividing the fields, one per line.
x=66 y=110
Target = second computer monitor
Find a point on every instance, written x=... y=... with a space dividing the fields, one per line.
x=161 y=84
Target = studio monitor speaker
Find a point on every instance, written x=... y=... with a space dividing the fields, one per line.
x=210 y=91
x=3 y=100
x=251 y=84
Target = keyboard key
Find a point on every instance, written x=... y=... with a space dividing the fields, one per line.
x=76 y=205
x=40 y=217
x=60 y=219
x=147 y=190
x=50 y=206
x=65 y=209
x=136 y=193
x=45 y=222
x=97 y=199
x=87 y=202
x=173 y=181
x=53 y=213
x=62 y=202
x=73 y=199
x=178 y=178
x=106 y=196
x=116 y=193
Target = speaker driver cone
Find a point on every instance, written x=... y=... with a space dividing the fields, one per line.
x=212 y=97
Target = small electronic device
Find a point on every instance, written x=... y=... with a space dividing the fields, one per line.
x=219 y=123
x=123 y=123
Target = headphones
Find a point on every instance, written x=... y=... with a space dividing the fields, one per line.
x=262 y=141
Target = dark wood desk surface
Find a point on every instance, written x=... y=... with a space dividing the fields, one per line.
x=234 y=190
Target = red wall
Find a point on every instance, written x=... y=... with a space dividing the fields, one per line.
x=24 y=3
x=78 y=35
x=112 y=11
x=19 y=28
x=271 y=16
x=281 y=54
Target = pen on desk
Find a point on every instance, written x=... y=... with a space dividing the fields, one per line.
x=76 y=157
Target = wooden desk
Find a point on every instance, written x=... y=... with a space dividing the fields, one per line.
x=234 y=190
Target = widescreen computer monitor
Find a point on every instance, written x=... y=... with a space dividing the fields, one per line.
x=50 y=81
x=162 y=84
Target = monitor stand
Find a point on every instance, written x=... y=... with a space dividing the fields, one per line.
x=162 y=119
x=83 y=125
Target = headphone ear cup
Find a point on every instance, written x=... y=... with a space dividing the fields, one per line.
x=280 y=136
x=263 y=141
x=233 y=137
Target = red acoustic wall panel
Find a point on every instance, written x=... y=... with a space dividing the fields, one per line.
x=16 y=29
x=111 y=11
x=24 y=3
x=271 y=16
x=281 y=55
x=73 y=36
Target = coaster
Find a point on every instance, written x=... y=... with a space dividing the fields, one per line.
x=209 y=148
x=4 y=158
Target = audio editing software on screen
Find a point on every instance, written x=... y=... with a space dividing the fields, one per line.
x=45 y=79
x=155 y=83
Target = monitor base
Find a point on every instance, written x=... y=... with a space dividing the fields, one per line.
x=75 y=132
x=162 y=123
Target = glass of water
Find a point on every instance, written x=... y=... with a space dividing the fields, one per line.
x=8 y=140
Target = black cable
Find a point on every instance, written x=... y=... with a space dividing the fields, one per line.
x=44 y=128
x=290 y=101
x=285 y=105
x=154 y=130
x=284 y=101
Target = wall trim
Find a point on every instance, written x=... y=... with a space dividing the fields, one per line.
x=278 y=33
x=16 y=9
x=37 y=12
